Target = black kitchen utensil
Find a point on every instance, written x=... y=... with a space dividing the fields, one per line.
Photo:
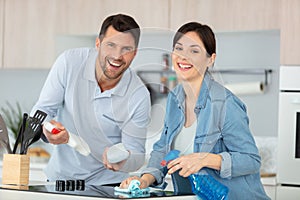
x=40 y=116
x=30 y=131
x=36 y=137
x=20 y=134
x=33 y=130
x=4 y=139
x=33 y=126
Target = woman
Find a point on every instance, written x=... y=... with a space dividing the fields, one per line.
x=206 y=122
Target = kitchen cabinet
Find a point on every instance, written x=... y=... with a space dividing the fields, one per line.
x=285 y=192
x=89 y=15
x=290 y=31
x=270 y=186
x=28 y=29
x=31 y=26
x=28 y=33
x=1 y=31
x=227 y=15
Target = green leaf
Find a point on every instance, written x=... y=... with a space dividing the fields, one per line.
x=13 y=117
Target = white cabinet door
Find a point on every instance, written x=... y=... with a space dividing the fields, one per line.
x=288 y=159
x=287 y=193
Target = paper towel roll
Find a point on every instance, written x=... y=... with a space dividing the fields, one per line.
x=247 y=88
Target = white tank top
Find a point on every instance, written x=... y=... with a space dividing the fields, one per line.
x=184 y=141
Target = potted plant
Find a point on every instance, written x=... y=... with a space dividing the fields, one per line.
x=13 y=117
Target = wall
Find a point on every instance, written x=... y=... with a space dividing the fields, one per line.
x=22 y=86
x=246 y=50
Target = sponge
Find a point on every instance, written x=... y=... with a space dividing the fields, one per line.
x=117 y=153
x=133 y=190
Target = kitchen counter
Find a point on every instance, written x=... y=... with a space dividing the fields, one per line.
x=9 y=194
x=17 y=195
x=34 y=192
x=37 y=177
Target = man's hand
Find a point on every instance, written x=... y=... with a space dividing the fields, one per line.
x=111 y=166
x=60 y=138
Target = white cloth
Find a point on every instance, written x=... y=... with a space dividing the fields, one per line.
x=102 y=119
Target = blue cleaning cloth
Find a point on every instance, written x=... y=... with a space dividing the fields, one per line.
x=133 y=190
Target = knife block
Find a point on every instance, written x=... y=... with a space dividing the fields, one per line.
x=15 y=169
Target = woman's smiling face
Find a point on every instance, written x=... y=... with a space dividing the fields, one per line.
x=189 y=57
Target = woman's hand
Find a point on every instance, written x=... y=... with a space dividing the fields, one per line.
x=192 y=163
x=60 y=138
x=145 y=180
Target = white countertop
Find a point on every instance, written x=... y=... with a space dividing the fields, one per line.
x=24 y=195
x=10 y=194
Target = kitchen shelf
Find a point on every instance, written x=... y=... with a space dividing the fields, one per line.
x=156 y=87
x=264 y=72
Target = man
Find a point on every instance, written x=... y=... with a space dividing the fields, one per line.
x=93 y=95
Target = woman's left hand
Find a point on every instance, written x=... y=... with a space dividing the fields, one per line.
x=189 y=164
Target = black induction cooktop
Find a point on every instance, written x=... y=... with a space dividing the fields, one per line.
x=92 y=191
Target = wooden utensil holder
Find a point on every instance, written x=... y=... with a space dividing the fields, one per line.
x=15 y=169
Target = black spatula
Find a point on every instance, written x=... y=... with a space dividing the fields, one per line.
x=33 y=130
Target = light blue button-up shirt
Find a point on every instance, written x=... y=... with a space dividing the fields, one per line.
x=222 y=128
x=71 y=95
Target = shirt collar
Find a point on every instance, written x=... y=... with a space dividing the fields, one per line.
x=121 y=88
x=204 y=92
x=89 y=71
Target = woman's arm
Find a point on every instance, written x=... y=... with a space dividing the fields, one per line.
x=242 y=156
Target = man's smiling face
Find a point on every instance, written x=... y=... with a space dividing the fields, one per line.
x=116 y=52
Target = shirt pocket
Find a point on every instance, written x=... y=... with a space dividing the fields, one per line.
x=112 y=120
x=208 y=143
x=112 y=127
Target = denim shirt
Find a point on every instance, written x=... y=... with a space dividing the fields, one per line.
x=222 y=128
